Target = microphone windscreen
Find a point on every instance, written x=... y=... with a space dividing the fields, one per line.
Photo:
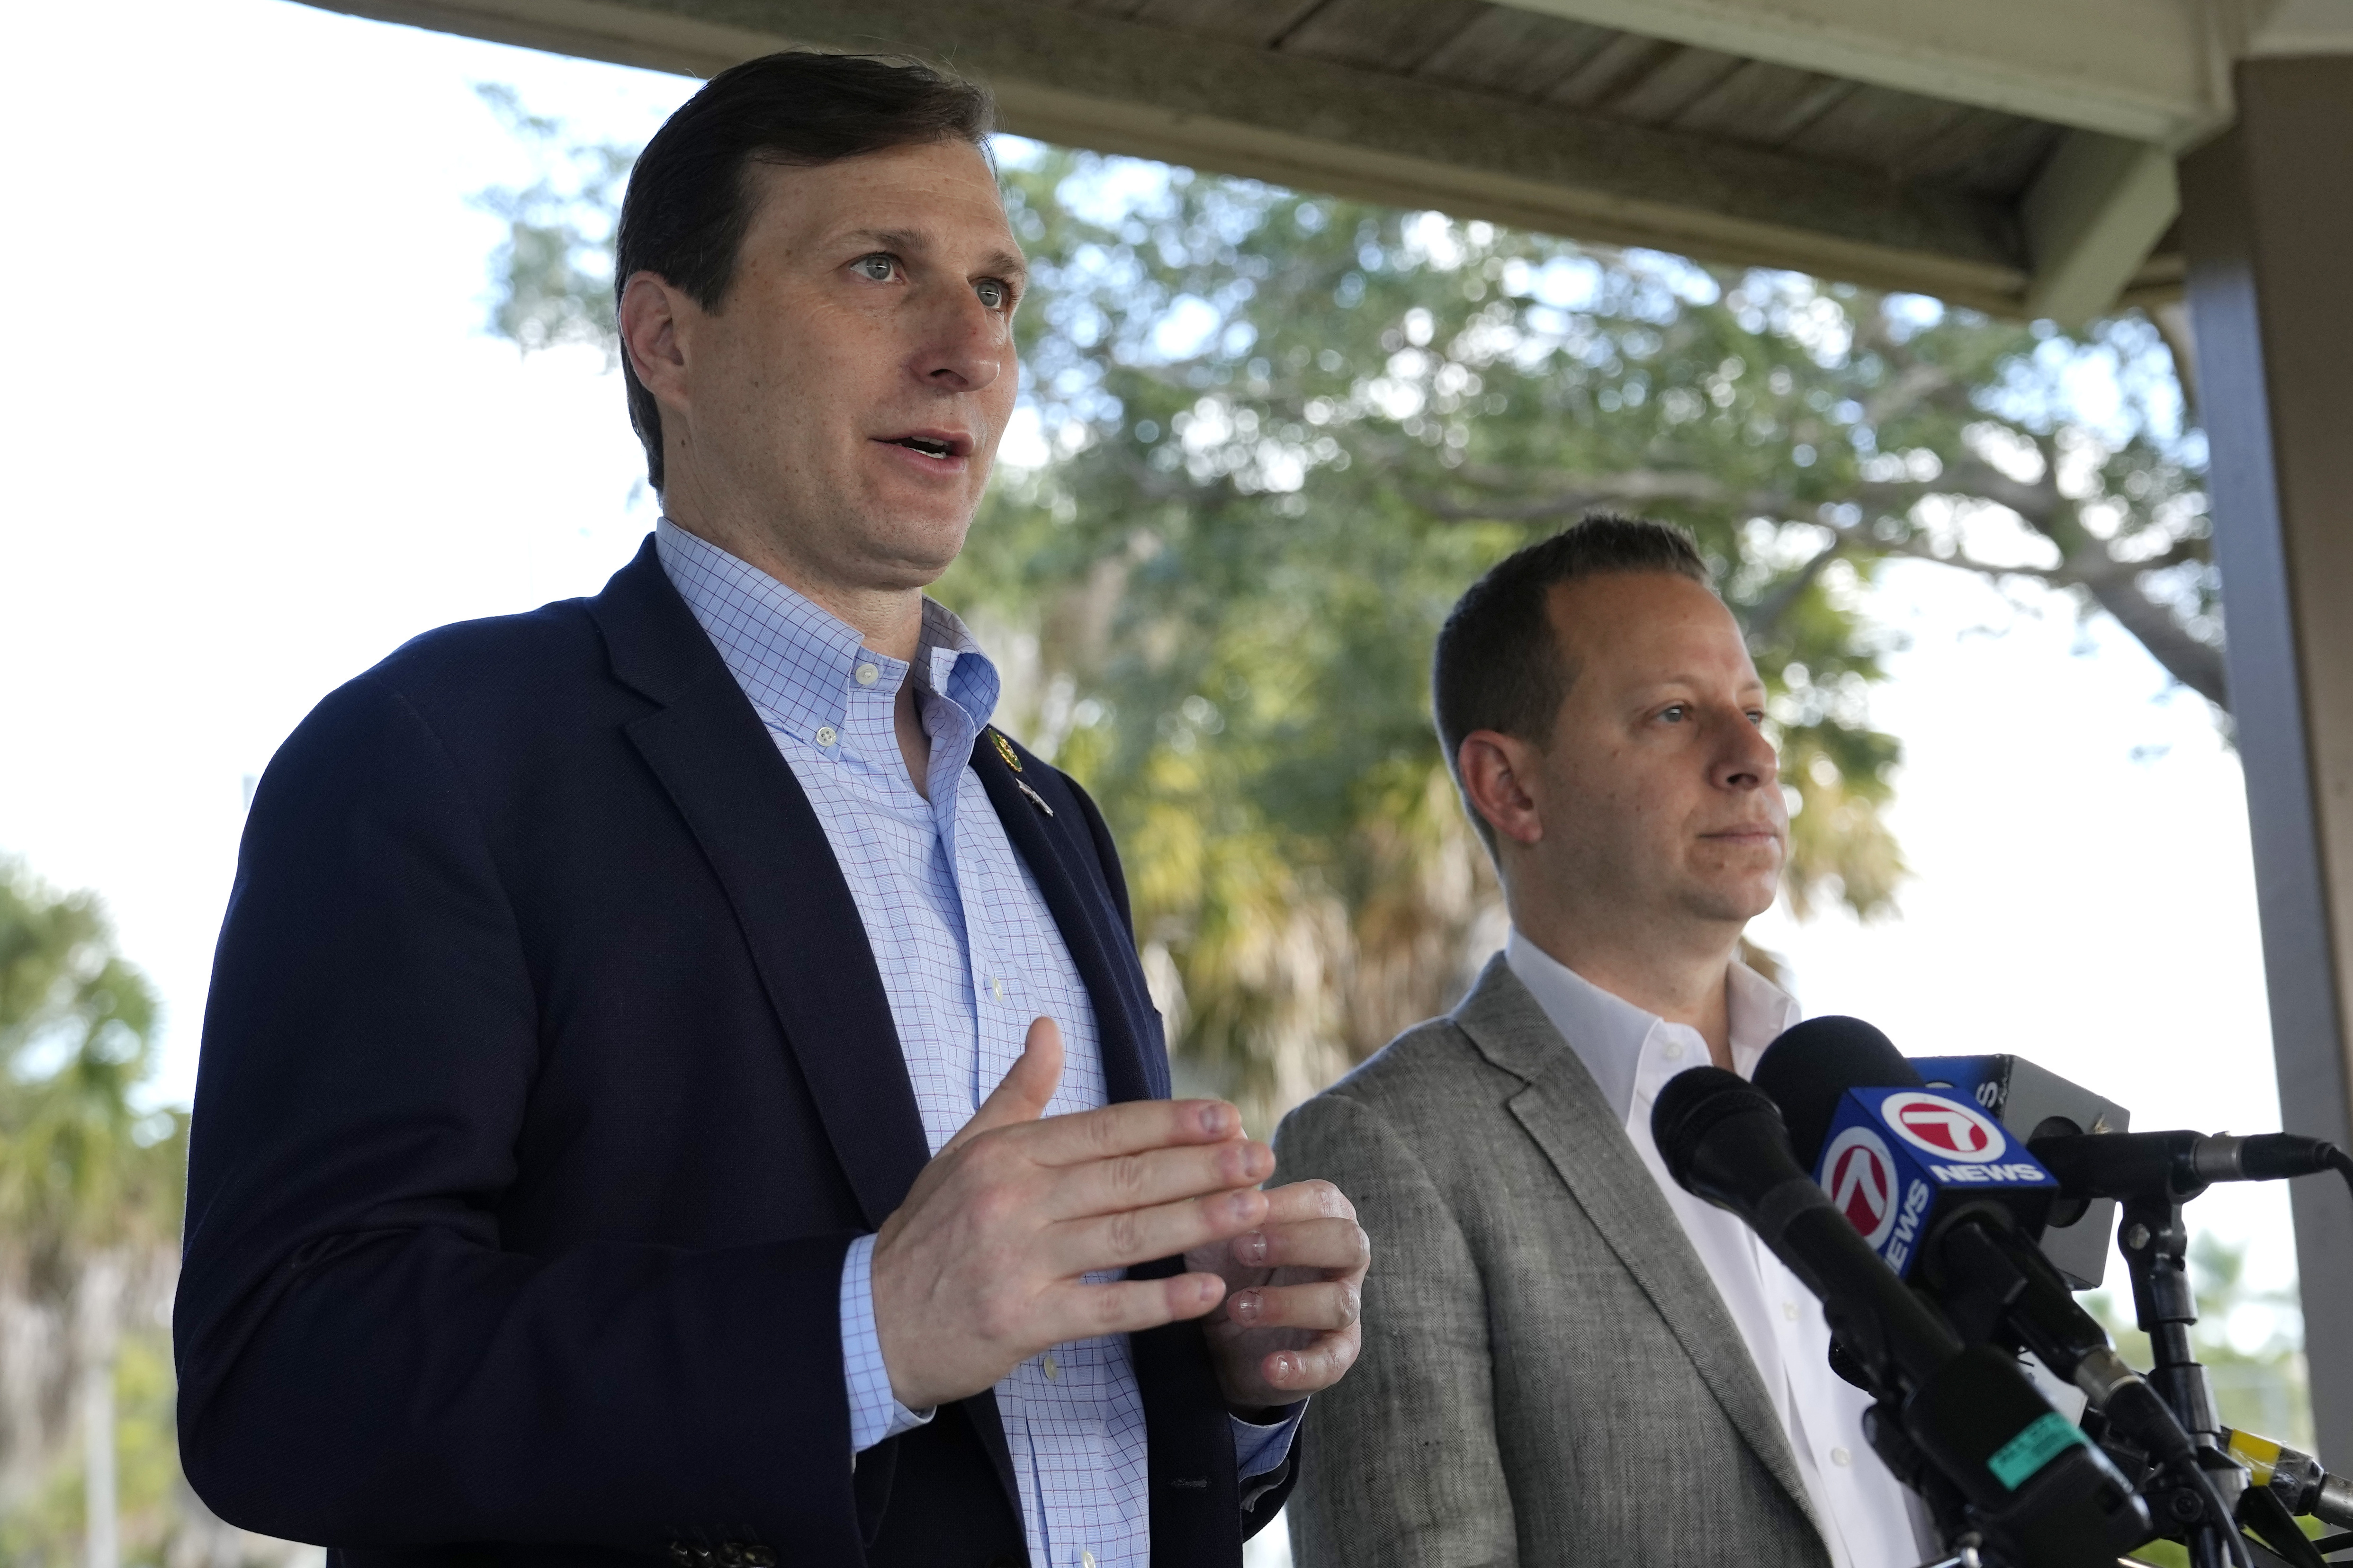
x=1810 y=1068
x=1691 y=1102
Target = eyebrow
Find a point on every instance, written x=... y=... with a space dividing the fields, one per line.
x=1652 y=688
x=997 y=263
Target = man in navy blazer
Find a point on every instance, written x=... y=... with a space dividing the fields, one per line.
x=608 y=1144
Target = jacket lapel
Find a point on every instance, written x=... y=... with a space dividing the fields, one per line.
x=1043 y=821
x=1196 y=1497
x=1562 y=1109
x=748 y=812
x=756 y=827
x=706 y=745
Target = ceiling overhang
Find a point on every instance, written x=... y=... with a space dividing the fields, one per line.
x=2114 y=89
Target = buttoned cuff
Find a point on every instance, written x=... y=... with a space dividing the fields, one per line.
x=1260 y=1450
x=874 y=1413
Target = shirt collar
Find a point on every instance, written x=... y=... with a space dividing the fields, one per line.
x=1631 y=1052
x=796 y=661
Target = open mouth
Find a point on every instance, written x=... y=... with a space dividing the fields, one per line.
x=929 y=445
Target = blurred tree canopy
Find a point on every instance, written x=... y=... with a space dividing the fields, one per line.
x=91 y=1188
x=79 y=1165
x=1281 y=433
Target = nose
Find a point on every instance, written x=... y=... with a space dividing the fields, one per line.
x=1745 y=759
x=967 y=346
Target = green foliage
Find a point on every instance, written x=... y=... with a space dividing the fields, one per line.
x=555 y=269
x=1285 y=433
x=92 y=1189
x=80 y=1165
x=46 y=1527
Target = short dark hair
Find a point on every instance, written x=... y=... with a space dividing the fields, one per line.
x=1499 y=666
x=690 y=200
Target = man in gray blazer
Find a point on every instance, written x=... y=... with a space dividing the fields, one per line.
x=1566 y=1357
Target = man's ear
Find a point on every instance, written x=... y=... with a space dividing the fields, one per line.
x=1498 y=774
x=650 y=323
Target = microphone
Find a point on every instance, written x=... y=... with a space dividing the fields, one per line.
x=2178 y=1165
x=1853 y=1104
x=1904 y=1162
x=2031 y=1102
x=2029 y=1476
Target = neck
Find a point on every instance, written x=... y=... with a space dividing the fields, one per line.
x=1675 y=969
x=890 y=620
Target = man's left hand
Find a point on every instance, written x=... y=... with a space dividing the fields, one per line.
x=1287 y=1327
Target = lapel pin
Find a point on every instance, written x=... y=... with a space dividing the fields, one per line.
x=1005 y=750
x=1036 y=799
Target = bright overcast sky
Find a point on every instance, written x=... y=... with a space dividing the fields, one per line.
x=259 y=440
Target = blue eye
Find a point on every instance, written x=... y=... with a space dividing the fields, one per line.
x=1676 y=714
x=993 y=294
x=879 y=268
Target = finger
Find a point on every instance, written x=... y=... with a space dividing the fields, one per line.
x=1139 y=1236
x=1330 y=1304
x=1323 y=1362
x=1337 y=1244
x=1129 y=1128
x=1308 y=1200
x=1028 y=1086
x=1077 y=1311
x=1156 y=1176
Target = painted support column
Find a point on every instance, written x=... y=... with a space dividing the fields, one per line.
x=2267 y=213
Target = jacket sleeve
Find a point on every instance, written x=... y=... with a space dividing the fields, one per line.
x=362 y=1364
x=1399 y=1462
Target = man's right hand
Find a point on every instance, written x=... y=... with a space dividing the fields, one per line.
x=980 y=1269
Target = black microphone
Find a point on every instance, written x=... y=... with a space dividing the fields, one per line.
x=1722 y=1140
x=2026 y=1474
x=1977 y=1251
x=1968 y=1235
x=2178 y=1166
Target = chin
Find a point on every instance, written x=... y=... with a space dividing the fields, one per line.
x=1742 y=902
x=919 y=548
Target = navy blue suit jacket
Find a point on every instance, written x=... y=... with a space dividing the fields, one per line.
x=547 y=1075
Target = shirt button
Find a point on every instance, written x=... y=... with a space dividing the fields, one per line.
x=1674 y=1051
x=1086 y=1559
x=826 y=735
x=868 y=674
x=1789 y=1310
x=997 y=985
x=1840 y=1457
x=1053 y=1371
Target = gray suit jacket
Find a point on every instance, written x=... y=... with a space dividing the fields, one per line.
x=1548 y=1376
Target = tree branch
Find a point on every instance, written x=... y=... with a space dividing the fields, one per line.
x=2112 y=584
x=1636 y=487
x=1765 y=620
x=1910 y=386
x=2115 y=585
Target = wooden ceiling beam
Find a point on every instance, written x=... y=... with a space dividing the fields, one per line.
x=2146 y=70
x=1127 y=87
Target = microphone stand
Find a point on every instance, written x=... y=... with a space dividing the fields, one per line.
x=2155 y=1247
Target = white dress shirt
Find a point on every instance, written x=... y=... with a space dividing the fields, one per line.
x=1867 y=1515
x=968 y=955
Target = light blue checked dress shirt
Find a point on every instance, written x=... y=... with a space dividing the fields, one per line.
x=969 y=954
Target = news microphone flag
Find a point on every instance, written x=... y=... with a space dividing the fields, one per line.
x=1895 y=1157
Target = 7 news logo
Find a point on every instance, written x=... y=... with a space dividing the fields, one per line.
x=1893 y=1151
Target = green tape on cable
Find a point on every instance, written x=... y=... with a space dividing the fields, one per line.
x=2049 y=1436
